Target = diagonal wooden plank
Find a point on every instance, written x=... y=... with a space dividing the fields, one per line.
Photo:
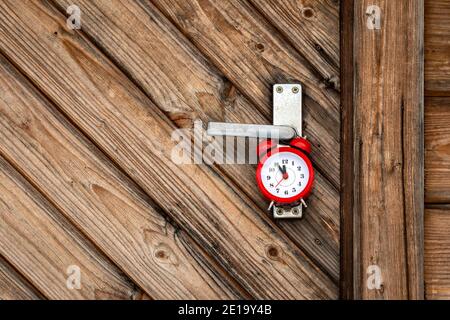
x=137 y=135
x=42 y=246
x=437 y=47
x=174 y=74
x=99 y=200
x=13 y=286
x=437 y=150
x=312 y=27
x=254 y=56
x=387 y=164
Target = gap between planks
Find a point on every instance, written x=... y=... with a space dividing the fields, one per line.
x=14 y=286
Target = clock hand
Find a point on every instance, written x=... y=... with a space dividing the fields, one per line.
x=285 y=174
x=283 y=171
x=279 y=182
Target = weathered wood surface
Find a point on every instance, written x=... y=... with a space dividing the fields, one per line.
x=133 y=132
x=437 y=253
x=39 y=243
x=388 y=150
x=186 y=87
x=98 y=199
x=254 y=56
x=347 y=236
x=437 y=48
x=13 y=286
x=437 y=150
x=312 y=27
x=437 y=153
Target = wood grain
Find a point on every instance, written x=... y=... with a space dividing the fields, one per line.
x=347 y=236
x=187 y=88
x=42 y=245
x=133 y=132
x=13 y=286
x=254 y=56
x=437 y=150
x=312 y=27
x=437 y=47
x=437 y=253
x=437 y=115
x=99 y=200
x=388 y=150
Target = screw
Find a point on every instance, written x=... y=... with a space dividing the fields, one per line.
x=295 y=89
x=279 y=211
x=295 y=211
x=279 y=89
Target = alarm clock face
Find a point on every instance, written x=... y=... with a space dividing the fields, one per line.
x=285 y=175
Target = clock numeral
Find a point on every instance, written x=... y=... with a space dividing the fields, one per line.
x=272 y=185
x=285 y=161
x=299 y=168
x=278 y=190
x=300 y=184
x=293 y=163
x=286 y=192
x=271 y=169
x=268 y=178
x=294 y=190
x=302 y=176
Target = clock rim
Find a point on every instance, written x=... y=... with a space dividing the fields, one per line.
x=306 y=191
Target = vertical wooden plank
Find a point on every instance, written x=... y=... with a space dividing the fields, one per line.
x=388 y=149
x=346 y=196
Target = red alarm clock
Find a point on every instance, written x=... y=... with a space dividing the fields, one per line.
x=285 y=174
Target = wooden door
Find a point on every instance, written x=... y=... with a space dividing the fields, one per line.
x=91 y=95
x=86 y=121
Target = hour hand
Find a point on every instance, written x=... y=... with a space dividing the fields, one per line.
x=282 y=169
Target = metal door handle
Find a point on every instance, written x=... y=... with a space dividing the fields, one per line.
x=287 y=124
x=251 y=130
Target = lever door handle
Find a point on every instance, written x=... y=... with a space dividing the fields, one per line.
x=251 y=130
